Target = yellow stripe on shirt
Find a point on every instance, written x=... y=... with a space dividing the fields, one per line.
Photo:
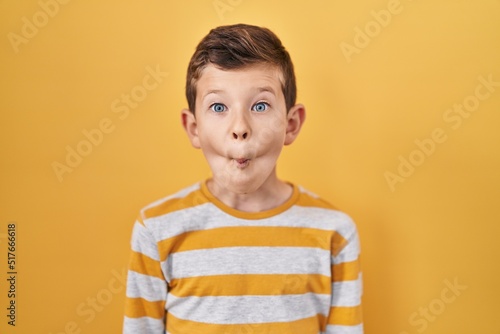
x=345 y=315
x=145 y=265
x=240 y=236
x=239 y=285
x=140 y=307
x=346 y=271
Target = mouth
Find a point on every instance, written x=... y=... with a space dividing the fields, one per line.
x=241 y=162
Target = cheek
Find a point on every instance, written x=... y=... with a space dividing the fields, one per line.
x=210 y=139
x=271 y=139
x=214 y=150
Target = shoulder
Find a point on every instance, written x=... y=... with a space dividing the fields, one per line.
x=309 y=199
x=323 y=213
x=188 y=197
x=325 y=216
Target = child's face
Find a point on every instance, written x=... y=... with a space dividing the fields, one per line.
x=241 y=125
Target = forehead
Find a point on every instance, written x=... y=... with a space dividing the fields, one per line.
x=248 y=77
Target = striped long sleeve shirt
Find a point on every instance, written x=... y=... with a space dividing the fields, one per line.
x=200 y=267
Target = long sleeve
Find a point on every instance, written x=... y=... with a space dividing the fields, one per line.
x=146 y=286
x=345 y=313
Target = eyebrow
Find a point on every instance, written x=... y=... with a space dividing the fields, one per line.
x=266 y=89
x=259 y=89
x=212 y=91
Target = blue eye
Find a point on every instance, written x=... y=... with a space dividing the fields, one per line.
x=218 y=107
x=260 y=106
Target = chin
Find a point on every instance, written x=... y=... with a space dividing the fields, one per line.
x=240 y=184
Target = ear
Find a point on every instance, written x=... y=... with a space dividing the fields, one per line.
x=191 y=127
x=295 y=118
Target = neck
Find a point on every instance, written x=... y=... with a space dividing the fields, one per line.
x=269 y=195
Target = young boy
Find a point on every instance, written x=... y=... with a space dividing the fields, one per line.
x=243 y=252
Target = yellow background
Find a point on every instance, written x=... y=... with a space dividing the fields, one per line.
x=365 y=110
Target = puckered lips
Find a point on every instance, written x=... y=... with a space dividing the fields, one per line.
x=241 y=162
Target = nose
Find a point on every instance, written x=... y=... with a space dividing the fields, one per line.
x=240 y=136
x=240 y=128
